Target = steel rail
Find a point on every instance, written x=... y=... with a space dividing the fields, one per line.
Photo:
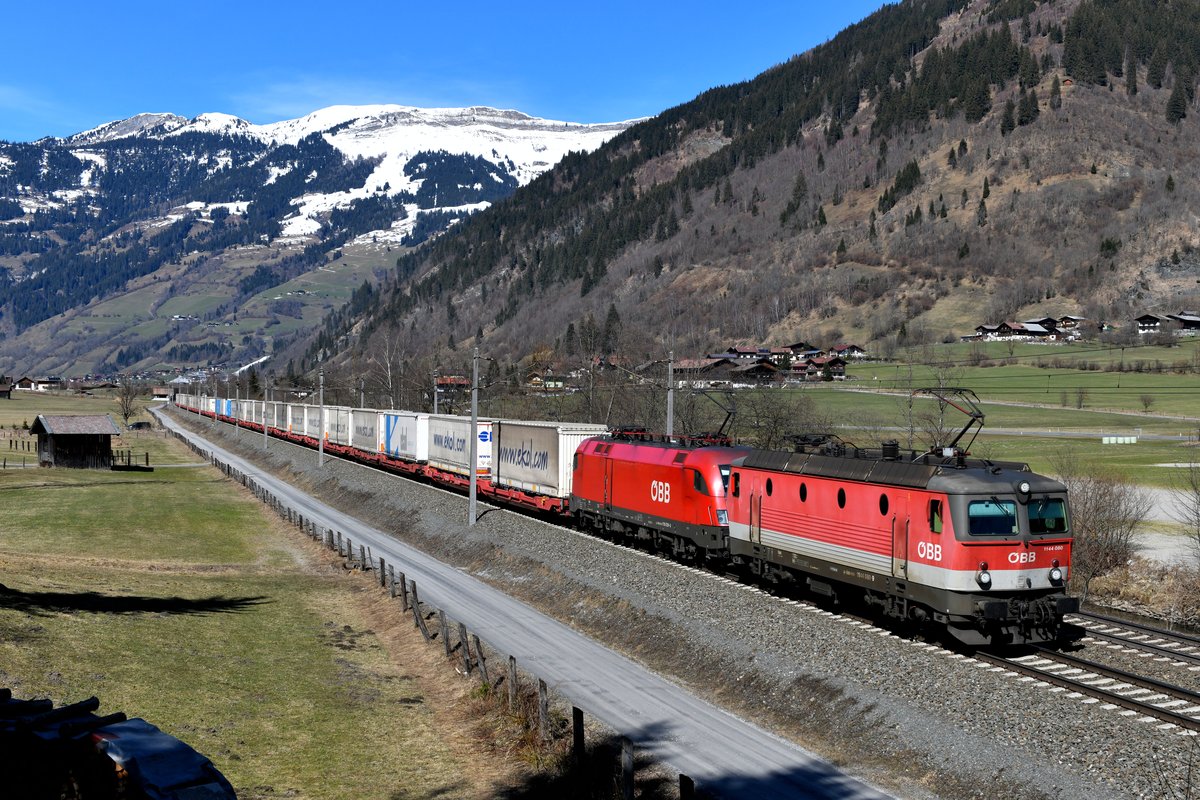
x=1108 y=694
x=1179 y=636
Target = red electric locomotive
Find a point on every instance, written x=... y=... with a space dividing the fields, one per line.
x=666 y=491
x=981 y=548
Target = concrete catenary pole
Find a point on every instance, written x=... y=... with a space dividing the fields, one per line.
x=474 y=434
x=321 y=419
x=671 y=393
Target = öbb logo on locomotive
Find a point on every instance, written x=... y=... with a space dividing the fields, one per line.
x=973 y=548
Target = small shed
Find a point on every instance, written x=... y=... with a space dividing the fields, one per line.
x=83 y=441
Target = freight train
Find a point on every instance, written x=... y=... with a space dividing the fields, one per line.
x=977 y=549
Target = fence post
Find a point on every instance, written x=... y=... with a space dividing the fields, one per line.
x=512 y=683
x=418 y=620
x=543 y=711
x=481 y=659
x=466 y=649
x=577 y=732
x=444 y=630
x=403 y=592
x=626 y=768
x=382 y=573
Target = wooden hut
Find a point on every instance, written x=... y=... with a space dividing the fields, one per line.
x=83 y=441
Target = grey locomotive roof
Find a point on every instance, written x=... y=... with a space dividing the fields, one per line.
x=974 y=477
x=82 y=424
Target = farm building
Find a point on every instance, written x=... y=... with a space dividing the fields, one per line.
x=82 y=441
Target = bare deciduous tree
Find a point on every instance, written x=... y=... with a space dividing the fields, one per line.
x=128 y=392
x=1105 y=512
x=766 y=417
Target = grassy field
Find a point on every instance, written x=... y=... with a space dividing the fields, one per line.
x=173 y=596
x=1057 y=375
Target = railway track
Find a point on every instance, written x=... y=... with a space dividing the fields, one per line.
x=1173 y=706
x=1180 y=647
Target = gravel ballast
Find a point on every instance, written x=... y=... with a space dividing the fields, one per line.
x=913 y=718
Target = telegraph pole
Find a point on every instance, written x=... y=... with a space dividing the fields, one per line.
x=321 y=423
x=474 y=436
x=435 y=391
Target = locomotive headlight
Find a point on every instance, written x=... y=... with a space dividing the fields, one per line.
x=983 y=577
x=1056 y=575
x=722 y=516
x=1024 y=488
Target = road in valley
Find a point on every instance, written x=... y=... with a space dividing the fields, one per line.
x=724 y=754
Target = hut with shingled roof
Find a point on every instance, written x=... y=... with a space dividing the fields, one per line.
x=83 y=441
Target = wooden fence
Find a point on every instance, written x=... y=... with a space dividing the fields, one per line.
x=468 y=648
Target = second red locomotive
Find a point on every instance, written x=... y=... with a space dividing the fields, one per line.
x=668 y=492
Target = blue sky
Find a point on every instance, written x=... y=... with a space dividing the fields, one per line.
x=73 y=65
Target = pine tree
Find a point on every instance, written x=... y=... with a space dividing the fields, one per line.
x=987 y=189
x=981 y=214
x=1055 y=94
x=612 y=330
x=570 y=340
x=1156 y=70
x=871 y=232
x=1130 y=73
x=1170 y=183
x=1177 y=103
x=821 y=221
x=952 y=159
x=1028 y=111
x=1008 y=120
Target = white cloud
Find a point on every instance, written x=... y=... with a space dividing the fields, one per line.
x=280 y=100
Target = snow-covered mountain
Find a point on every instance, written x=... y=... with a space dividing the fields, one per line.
x=161 y=201
x=520 y=146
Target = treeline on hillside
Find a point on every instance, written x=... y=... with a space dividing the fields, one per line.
x=571 y=222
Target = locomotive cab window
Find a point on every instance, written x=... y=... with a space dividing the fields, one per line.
x=725 y=477
x=992 y=518
x=737 y=484
x=699 y=483
x=1048 y=516
x=935 y=516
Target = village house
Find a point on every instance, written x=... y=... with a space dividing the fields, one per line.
x=816 y=369
x=1187 y=320
x=1150 y=323
x=27 y=384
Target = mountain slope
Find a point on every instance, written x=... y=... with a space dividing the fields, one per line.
x=87 y=219
x=938 y=165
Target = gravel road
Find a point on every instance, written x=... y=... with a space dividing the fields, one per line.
x=909 y=717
